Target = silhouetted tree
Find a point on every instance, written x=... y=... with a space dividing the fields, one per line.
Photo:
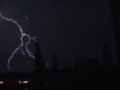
x=40 y=67
x=115 y=8
x=66 y=64
x=55 y=69
x=76 y=65
x=55 y=62
x=79 y=63
x=107 y=55
x=39 y=61
x=92 y=63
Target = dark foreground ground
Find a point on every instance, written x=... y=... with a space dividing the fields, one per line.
x=82 y=79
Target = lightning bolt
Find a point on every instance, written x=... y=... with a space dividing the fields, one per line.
x=22 y=44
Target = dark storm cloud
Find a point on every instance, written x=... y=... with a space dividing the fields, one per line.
x=74 y=28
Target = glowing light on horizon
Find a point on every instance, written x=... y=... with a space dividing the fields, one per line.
x=1 y=82
x=22 y=44
x=23 y=82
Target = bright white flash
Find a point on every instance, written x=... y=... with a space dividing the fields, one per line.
x=22 y=44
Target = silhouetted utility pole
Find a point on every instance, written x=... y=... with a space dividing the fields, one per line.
x=39 y=82
x=115 y=6
x=39 y=61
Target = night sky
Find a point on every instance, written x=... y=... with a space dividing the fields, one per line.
x=71 y=28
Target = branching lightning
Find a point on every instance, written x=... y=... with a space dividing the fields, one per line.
x=22 y=44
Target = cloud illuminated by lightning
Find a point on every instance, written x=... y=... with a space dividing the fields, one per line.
x=22 y=44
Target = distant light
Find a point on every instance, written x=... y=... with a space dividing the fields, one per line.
x=1 y=82
x=23 y=82
x=20 y=82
